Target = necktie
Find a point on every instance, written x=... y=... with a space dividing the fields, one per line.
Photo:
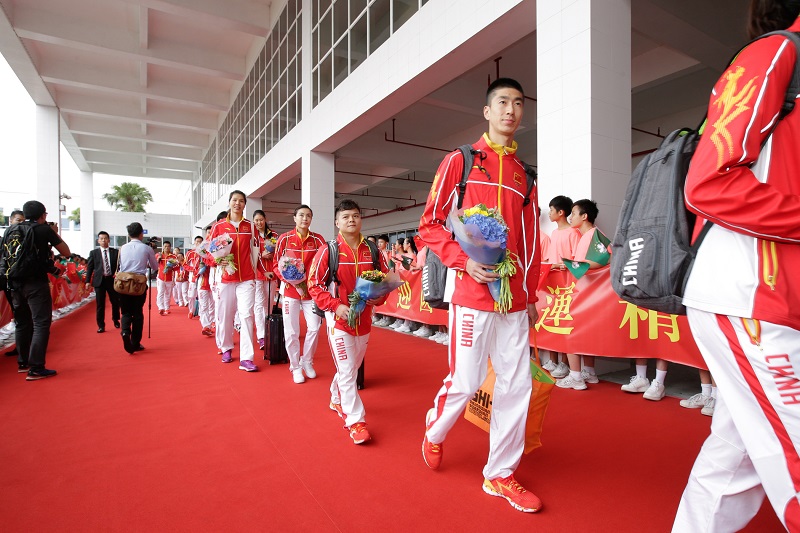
x=106 y=264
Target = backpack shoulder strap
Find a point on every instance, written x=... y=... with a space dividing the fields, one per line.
x=468 y=152
x=530 y=173
x=373 y=250
x=794 y=86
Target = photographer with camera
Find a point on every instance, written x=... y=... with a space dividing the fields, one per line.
x=27 y=262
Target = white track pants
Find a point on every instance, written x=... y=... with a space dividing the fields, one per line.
x=265 y=299
x=292 y=308
x=205 y=308
x=180 y=292
x=191 y=290
x=164 y=294
x=755 y=432
x=235 y=297
x=474 y=335
x=348 y=353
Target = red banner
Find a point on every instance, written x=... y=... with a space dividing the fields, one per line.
x=582 y=316
x=62 y=291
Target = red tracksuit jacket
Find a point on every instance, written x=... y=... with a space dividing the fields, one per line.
x=292 y=245
x=748 y=184
x=503 y=188
x=243 y=239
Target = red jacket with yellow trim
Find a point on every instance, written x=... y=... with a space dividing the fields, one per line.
x=291 y=244
x=264 y=265
x=162 y=262
x=351 y=264
x=748 y=184
x=502 y=186
x=243 y=239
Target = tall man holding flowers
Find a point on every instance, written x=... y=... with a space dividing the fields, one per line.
x=165 y=282
x=298 y=244
x=483 y=323
x=348 y=331
x=236 y=289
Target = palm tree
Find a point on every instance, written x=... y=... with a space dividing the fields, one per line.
x=129 y=197
x=75 y=216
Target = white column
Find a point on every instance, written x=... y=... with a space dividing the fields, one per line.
x=317 y=178
x=584 y=103
x=253 y=203
x=48 y=165
x=88 y=231
x=306 y=91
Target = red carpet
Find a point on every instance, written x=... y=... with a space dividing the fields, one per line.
x=173 y=440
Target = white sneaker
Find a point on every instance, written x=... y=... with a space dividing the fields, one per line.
x=404 y=329
x=383 y=322
x=589 y=378
x=308 y=368
x=397 y=323
x=636 y=384
x=424 y=331
x=375 y=319
x=695 y=402
x=297 y=375
x=571 y=383
x=437 y=337
x=549 y=365
x=445 y=341
x=708 y=410
x=561 y=371
x=655 y=392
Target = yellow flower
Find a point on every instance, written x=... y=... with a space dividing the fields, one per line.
x=479 y=209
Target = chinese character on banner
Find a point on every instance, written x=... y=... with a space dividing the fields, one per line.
x=404 y=296
x=557 y=311
x=634 y=314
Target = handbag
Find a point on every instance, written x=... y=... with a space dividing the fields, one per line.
x=479 y=408
x=129 y=283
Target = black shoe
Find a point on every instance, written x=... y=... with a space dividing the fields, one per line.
x=22 y=369
x=126 y=342
x=41 y=373
x=12 y=351
x=138 y=348
x=116 y=324
x=101 y=329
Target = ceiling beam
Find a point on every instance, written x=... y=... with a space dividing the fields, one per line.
x=124 y=146
x=141 y=172
x=141 y=160
x=117 y=130
x=245 y=16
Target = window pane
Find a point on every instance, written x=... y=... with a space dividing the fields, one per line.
x=403 y=10
x=378 y=24
x=326 y=77
x=340 y=19
x=357 y=7
x=358 y=43
x=326 y=33
x=340 y=63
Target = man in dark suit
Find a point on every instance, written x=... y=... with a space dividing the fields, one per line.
x=100 y=271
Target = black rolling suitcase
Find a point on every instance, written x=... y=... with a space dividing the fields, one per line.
x=275 y=342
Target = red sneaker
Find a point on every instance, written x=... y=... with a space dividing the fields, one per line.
x=518 y=496
x=359 y=433
x=191 y=315
x=431 y=453
x=336 y=408
x=207 y=332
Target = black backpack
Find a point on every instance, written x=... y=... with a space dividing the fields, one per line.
x=434 y=273
x=653 y=252
x=19 y=256
x=333 y=265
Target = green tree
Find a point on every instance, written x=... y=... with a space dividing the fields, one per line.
x=129 y=197
x=75 y=216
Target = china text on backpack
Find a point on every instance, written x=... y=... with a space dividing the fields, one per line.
x=653 y=253
x=19 y=258
x=434 y=273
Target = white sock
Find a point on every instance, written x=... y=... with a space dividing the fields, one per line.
x=575 y=375
x=713 y=392
x=661 y=375
x=705 y=389
x=589 y=369
x=641 y=371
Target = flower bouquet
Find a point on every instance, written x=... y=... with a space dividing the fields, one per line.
x=370 y=285
x=170 y=264
x=483 y=235
x=269 y=244
x=219 y=248
x=293 y=271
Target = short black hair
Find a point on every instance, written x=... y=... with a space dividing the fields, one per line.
x=502 y=83
x=103 y=233
x=561 y=203
x=135 y=229
x=589 y=208
x=222 y=215
x=383 y=237
x=302 y=206
x=237 y=191
x=765 y=16
x=259 y=212
x=33 y=210
x=346 y=205
x=16 y=212
x=198 y=237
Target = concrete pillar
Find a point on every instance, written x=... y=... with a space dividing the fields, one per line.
x=307 y=90
x=317 y=178
x=88 y=231
x=584 y=103
x=48 y=164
